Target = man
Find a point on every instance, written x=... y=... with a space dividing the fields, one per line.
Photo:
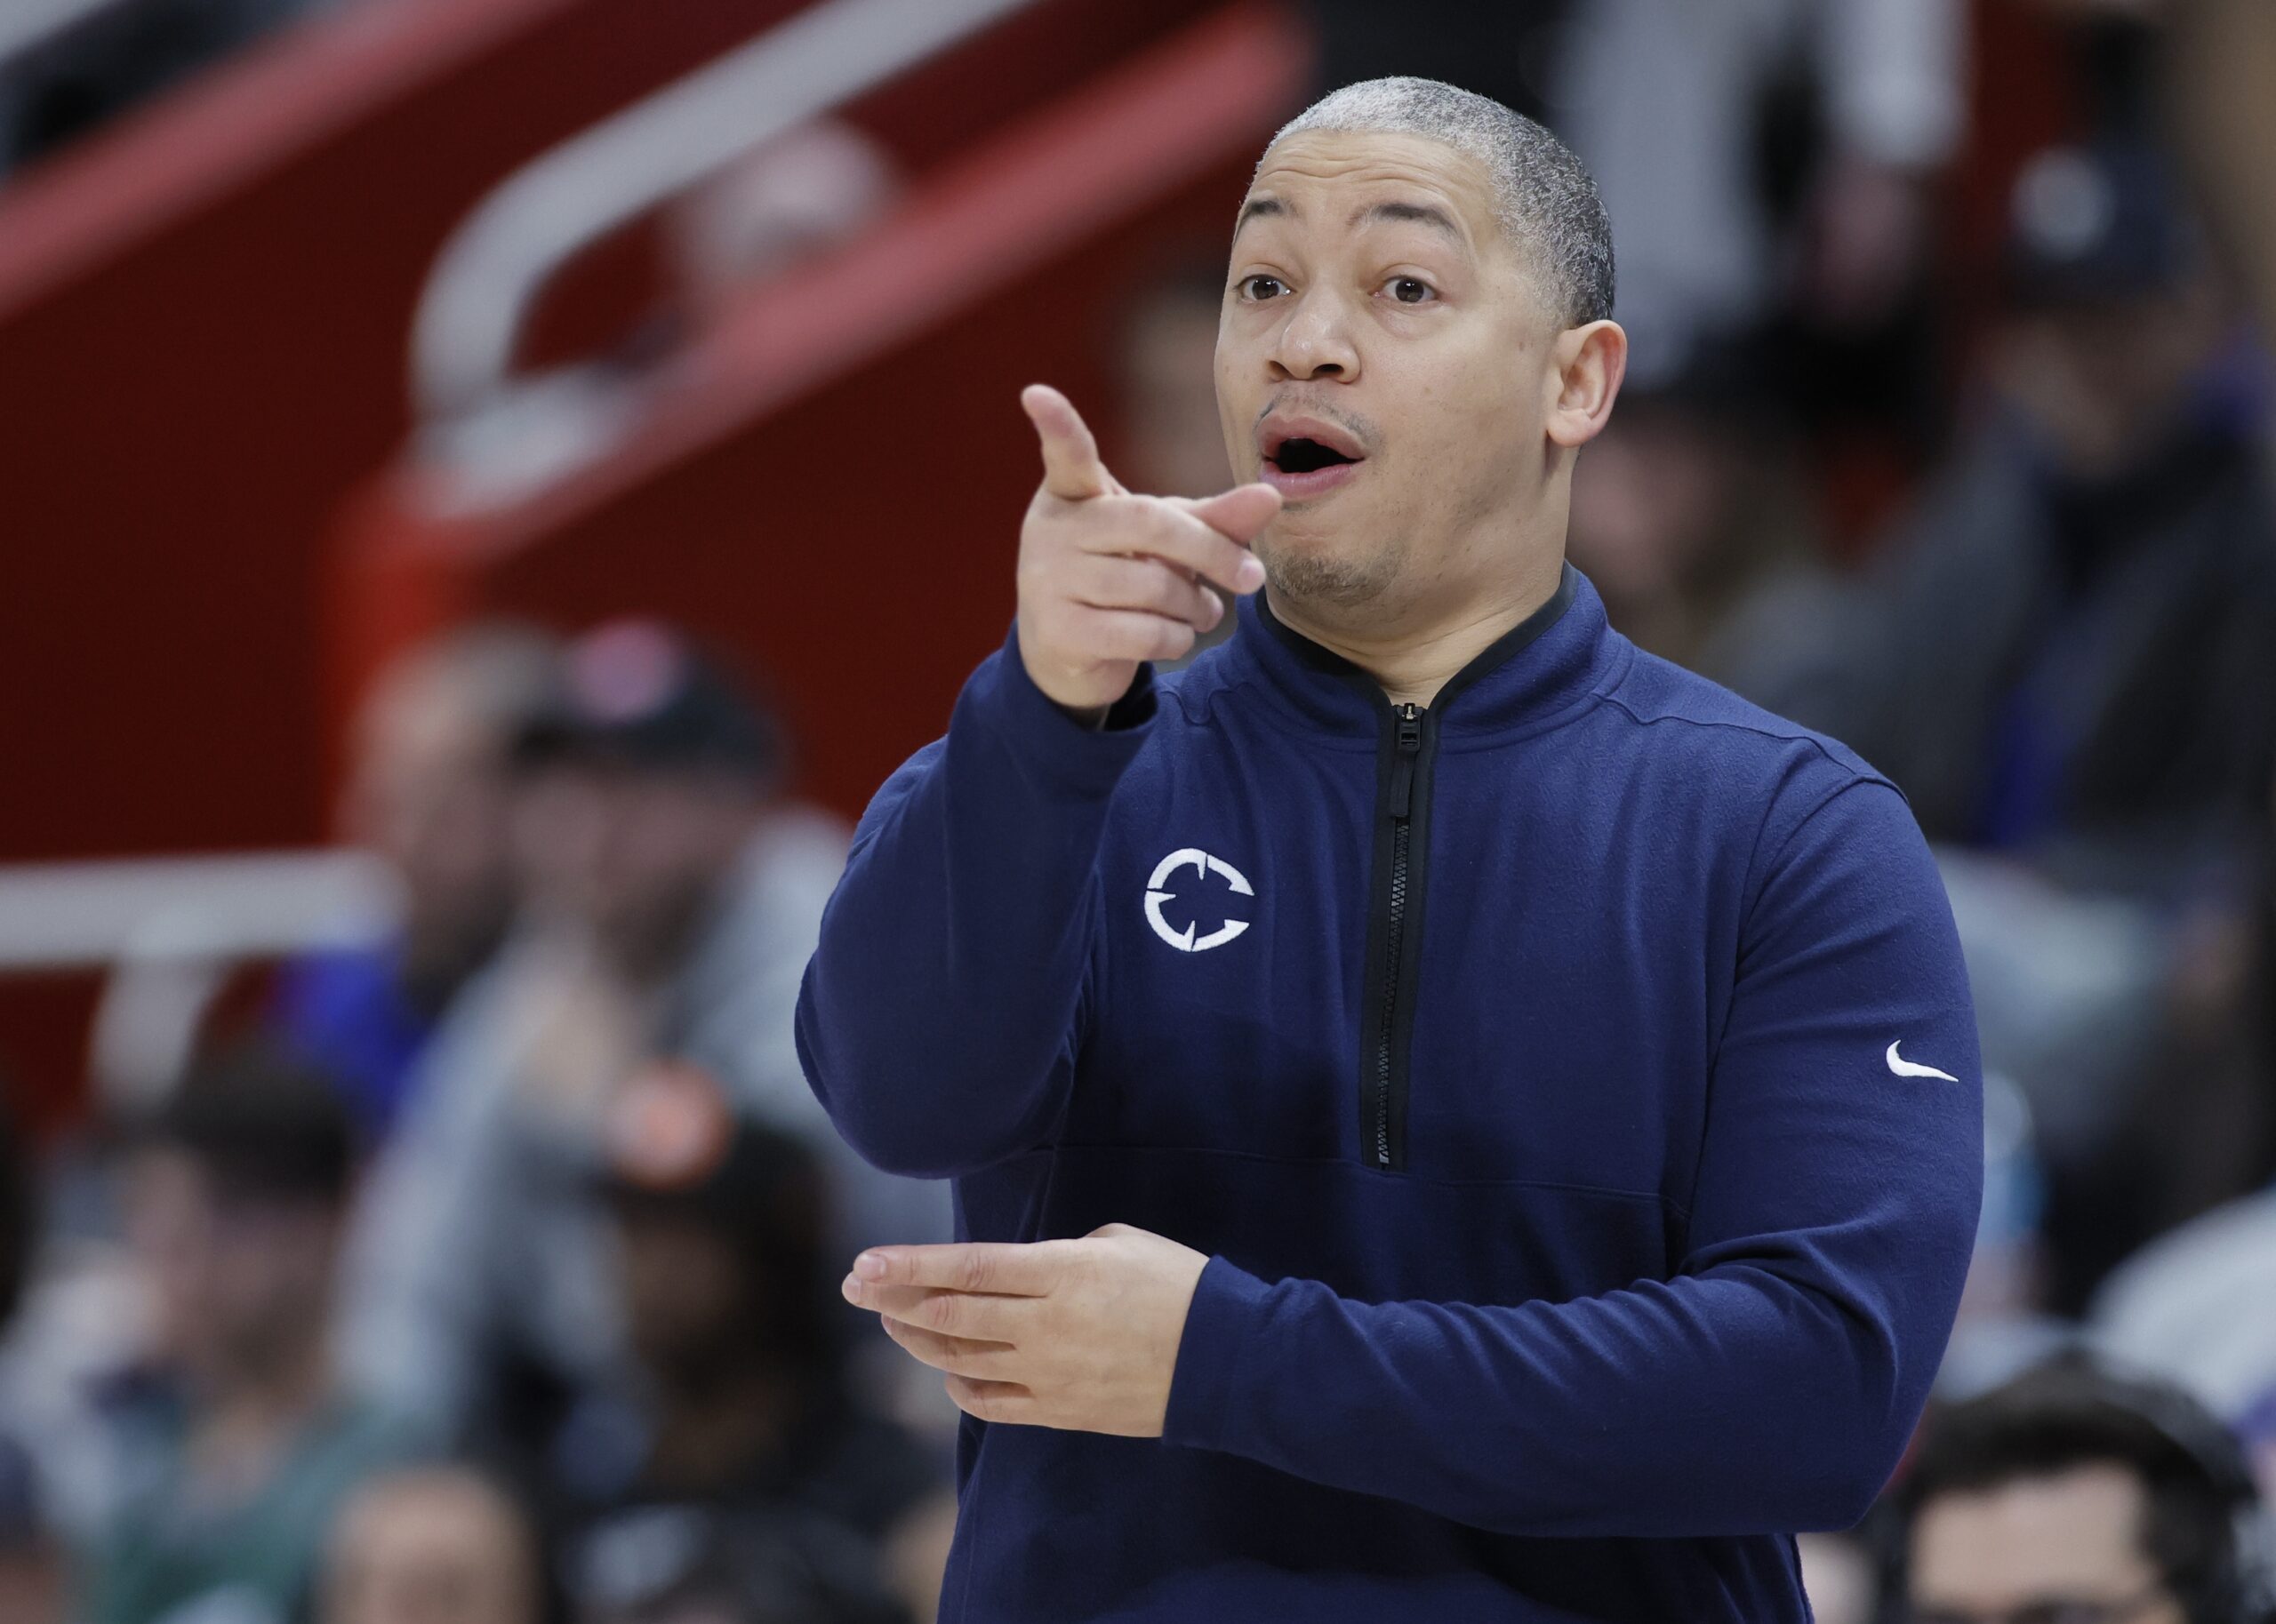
x=673 y=893
x=2094 y=565
x=1450 y=1117
x=2073 y=1494
x=431 y=792
x=239 y=1440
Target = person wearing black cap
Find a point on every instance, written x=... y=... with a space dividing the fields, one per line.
x=672 y=895
x=2069 y=636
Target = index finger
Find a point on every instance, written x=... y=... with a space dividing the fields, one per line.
x=1072 y=468
x=1165 y=528
x=1005 y=1267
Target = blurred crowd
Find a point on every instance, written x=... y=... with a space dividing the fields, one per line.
x=486 y=1272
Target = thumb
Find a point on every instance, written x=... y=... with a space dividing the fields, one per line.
x=1238 y=513
x=1072 y=468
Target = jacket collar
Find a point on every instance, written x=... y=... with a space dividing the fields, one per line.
x=1537 y=668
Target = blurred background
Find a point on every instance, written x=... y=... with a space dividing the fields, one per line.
x=489 y=487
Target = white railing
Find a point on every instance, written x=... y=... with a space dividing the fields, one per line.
x=170 y=931
x=84 y=915
x=490 y=274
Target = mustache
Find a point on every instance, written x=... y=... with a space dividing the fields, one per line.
x=1360 y=428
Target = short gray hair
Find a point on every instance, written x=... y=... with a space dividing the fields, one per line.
x=1543 y=195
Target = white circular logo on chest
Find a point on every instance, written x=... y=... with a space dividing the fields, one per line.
x=1202 y=865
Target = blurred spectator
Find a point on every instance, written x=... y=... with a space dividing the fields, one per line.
x=674 y=896
x=237 y=1439
x=429 y=792
x=739 y=1480
x=1758 y=158
x=2220 y=61
x=2199 y=1303
x=2095 y=574
x=431 y=1545
x=2198 y=1307
x=1752 y=157
x=32 y=1570
x=2070 y=1494
x=1690 y=516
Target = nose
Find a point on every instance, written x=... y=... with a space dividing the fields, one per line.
x=1314 y=342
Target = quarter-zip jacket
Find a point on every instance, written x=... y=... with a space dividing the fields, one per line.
x=1572 y=1083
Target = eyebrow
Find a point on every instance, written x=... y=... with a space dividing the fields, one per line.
x=1419 y=213
x=1258 y=208
x=1267 y=206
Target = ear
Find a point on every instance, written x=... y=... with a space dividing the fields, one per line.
x=1586 y=366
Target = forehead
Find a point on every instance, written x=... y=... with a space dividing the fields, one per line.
x=1322 y=177
x=2077 y=1529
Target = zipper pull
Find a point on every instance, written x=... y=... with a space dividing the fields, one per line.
x=1402 y=767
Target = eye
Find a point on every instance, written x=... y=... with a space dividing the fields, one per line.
x=1261 y=286
x=1410 y=290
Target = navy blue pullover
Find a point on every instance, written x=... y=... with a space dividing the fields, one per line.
x=1573 y=1083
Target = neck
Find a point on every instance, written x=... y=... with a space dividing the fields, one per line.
x=1412 y=653
x=248 y=1418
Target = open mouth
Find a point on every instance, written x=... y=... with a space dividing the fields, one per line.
x=1307 y=457
x=1303 y=456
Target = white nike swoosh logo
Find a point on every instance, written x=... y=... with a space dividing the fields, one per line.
x=1906 y=1069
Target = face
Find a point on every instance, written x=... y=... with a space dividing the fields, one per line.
x=2070 y=1538
x=1389 y=359
x=2106 y=381
x=639 y=855
x=238 y=1281
x=1651 y=501
x=428 y=1548
x=684 y=1287
x=429 y=793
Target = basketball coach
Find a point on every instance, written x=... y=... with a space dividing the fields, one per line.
x=1452 y=1118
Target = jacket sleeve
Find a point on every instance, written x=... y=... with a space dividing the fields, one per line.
x=940 y=1015
x=1770 y=1385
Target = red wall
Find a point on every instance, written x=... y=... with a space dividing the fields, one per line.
x=204 y=322
x=834 y=487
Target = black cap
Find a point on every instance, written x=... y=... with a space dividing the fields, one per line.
x=641 y=693
x=2104 y=220
x=264 y=1124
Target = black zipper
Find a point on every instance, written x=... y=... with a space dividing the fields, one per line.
x=1389 y=1080
x=1405 y=766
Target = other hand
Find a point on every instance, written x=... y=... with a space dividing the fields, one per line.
x=1076 y=1334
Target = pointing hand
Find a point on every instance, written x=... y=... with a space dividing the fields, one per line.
x=1107 y=579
